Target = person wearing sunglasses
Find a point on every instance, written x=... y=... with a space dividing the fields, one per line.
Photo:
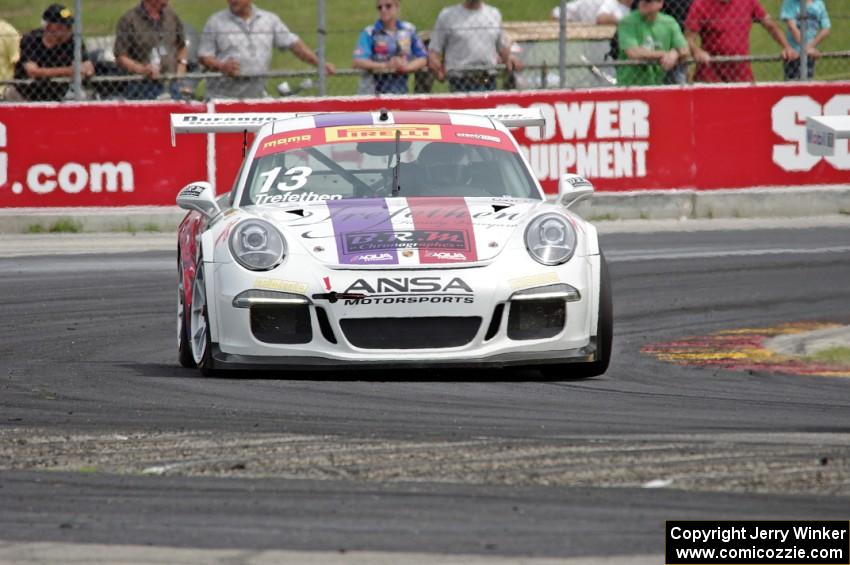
x=388 y=51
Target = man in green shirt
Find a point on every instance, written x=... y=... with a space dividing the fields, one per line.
x=648 y=35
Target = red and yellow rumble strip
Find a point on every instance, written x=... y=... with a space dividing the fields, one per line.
x=744 y=350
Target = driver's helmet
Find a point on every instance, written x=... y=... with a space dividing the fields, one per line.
x=444 y=163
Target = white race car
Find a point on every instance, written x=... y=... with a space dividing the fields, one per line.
x=388 y=240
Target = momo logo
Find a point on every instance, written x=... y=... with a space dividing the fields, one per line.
x=372 y=133
x=411 y=239
x=788 y=121
x=287 y=140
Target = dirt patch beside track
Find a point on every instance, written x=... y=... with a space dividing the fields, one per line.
x=768 y=463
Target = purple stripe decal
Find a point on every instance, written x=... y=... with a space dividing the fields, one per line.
x=330 y=120
x=362 y=229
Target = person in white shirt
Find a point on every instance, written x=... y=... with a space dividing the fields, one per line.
x=612 y=11
x=466 y=45
x=594 y=11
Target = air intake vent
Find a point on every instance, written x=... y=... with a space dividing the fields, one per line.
x=281 y=323
x=410 y=333
x=536 y=319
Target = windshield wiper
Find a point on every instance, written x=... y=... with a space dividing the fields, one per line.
x=396 y=180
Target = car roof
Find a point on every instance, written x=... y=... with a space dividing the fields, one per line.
x=380 y=118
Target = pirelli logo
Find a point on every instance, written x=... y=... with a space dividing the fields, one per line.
x=372 y=133
x=272 y=143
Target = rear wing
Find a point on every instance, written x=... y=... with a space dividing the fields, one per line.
x=822 y=131
x=222 y=123
x=252 y=122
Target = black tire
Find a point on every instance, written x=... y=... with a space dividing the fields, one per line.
x=604 y=337
x=204 y=361
x=184 y=350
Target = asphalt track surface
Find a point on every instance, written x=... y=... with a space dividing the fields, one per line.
x=87 y=354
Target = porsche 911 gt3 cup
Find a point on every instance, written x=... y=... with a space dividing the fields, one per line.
x=386 y=240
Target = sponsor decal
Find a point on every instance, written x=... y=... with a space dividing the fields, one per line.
x=361 y=216
x=216 y=119
x=410 y=239
x=296 y=197
x=534 y=280
x=290 y=140
x=827 y=139
x=619 y=130
x=578 y=182
x=478 y=137
x=193 y=190
x=788 y=118
x=444 y=216
x=411 y=290
x=373 y=257
x=283 y=286
x=287 y=140
x=383 y=133
x=445 y=256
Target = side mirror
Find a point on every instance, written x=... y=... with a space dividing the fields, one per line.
x=199 y=196
x=573 y=188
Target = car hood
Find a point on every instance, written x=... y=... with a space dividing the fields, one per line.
x=402 y=231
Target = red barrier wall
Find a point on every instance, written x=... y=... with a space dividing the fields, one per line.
x=702 y=137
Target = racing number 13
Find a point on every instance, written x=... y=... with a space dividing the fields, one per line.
x=297 y=174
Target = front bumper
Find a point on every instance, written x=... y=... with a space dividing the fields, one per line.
x=411 y=295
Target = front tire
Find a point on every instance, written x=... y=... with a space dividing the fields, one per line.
x=184 y=350
x=199 y=325
x=604 y=337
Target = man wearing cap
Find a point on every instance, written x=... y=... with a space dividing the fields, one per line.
x=150 y=41
x=46 y=54
x=239 y=42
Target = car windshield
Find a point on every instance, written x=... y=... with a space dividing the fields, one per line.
x=434 y=161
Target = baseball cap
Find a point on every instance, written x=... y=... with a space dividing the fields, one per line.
x=58 y=14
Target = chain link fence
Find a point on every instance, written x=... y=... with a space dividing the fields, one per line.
x=346 y=47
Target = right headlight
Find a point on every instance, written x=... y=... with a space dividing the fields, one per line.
x=257 y=245
x=550 y=239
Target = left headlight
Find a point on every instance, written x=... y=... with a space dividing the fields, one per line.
x=550 y=239
x=257 y=245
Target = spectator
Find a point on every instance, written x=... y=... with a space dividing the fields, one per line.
x=612 y=11
x=239 y=41
x=467 y=36
x=150 y=41
x=678 y=9
x=10 y=52
x=723 y=27
x=817 y=28
x=649 y=35
x=46 y=54
x=579 y=11
x=389 y=50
